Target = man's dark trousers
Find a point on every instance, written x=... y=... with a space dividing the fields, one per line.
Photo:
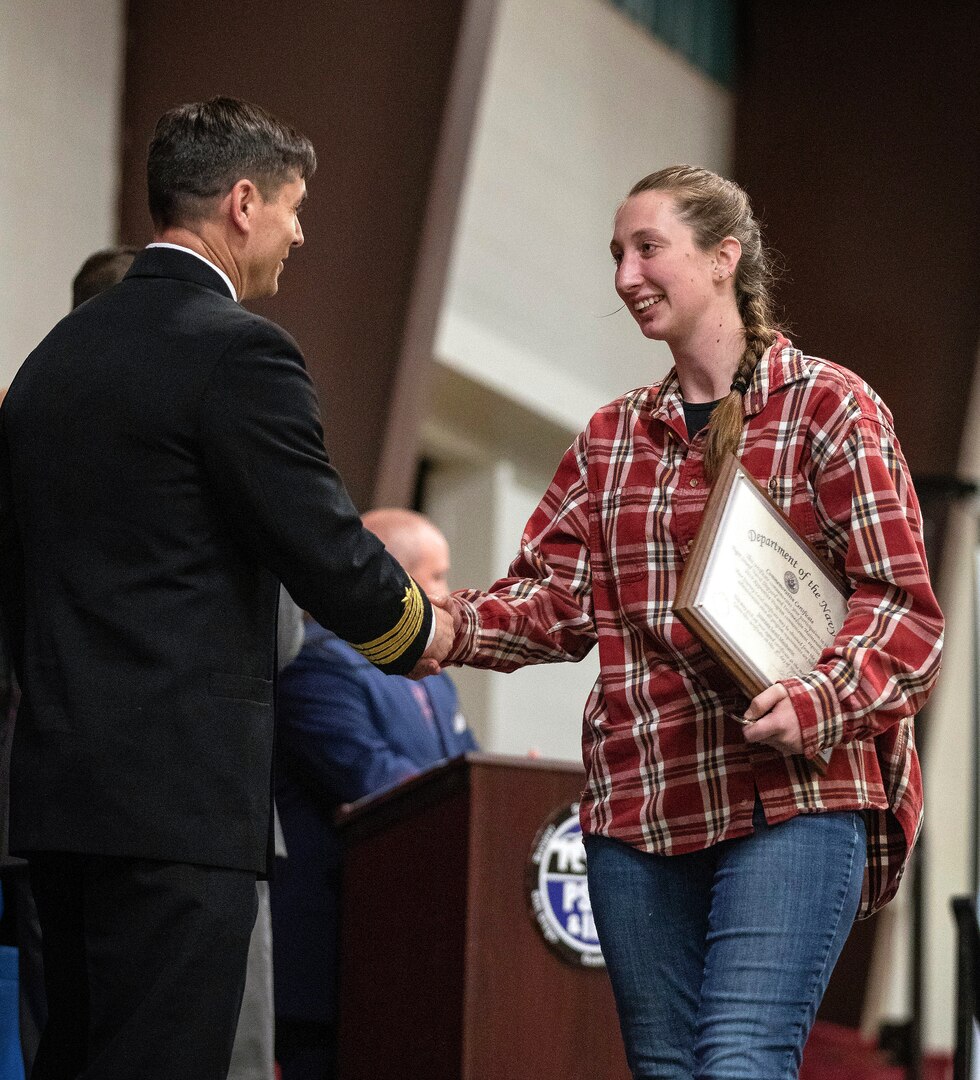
x=179 y=932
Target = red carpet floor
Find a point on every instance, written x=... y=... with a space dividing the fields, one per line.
x=839 y=1053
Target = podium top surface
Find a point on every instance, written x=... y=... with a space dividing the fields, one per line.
x=446 y=776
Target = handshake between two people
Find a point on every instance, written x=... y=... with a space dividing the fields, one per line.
x=430 y=663
x=770 y=718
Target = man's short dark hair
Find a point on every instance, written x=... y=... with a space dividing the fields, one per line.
x=200 y=151
x=100 y=271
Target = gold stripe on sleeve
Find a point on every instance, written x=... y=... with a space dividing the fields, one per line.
x=387 y=648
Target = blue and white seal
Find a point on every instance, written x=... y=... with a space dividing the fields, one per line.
x=558 y=891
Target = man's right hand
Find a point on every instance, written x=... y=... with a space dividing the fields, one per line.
x=438 y=648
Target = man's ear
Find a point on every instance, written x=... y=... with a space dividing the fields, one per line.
x=242 y=201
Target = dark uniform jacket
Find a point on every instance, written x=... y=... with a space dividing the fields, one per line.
x=161 y=470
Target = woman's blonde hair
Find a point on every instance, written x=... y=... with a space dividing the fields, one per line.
x=715 y=208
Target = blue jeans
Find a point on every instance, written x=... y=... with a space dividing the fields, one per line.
x=719 y=958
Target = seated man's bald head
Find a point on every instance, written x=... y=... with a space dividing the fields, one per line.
x=416 y=543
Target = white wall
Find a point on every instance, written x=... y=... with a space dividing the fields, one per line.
x=486 y=482
x=535 y=710
x=60 y=95
x=578 y=103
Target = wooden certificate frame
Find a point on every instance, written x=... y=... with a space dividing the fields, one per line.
x=756 y=594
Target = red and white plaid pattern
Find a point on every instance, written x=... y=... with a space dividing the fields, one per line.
x=668 y=769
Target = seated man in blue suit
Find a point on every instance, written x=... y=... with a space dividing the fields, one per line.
x=344 y=732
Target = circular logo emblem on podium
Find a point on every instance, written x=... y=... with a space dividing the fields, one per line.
x=558 y=892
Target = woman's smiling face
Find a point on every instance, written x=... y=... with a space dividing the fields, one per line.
x=668 y=283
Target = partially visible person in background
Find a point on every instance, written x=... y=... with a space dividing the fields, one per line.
x=100 y=271
x=21 y=1016
x=344 y=733
x=253 y=1055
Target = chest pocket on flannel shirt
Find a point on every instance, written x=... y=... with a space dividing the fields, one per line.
x=632 y=542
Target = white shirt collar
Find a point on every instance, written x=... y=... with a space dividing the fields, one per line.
x=217 y=269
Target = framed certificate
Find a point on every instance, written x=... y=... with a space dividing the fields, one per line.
x=754 y=592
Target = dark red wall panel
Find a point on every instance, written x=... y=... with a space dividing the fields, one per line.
x=856 y=135
x=368 y=83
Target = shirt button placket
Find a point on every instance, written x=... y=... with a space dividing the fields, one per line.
x=686 y=500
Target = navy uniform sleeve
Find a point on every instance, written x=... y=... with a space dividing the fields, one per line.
x=264 y=456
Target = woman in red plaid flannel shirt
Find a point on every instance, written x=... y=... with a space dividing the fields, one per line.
x=724 y=871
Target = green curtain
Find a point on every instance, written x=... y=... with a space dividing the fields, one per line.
x=701 y=30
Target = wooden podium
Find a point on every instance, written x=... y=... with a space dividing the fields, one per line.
x=444 y=973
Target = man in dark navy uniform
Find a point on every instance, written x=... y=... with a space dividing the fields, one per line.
x=161 y=471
